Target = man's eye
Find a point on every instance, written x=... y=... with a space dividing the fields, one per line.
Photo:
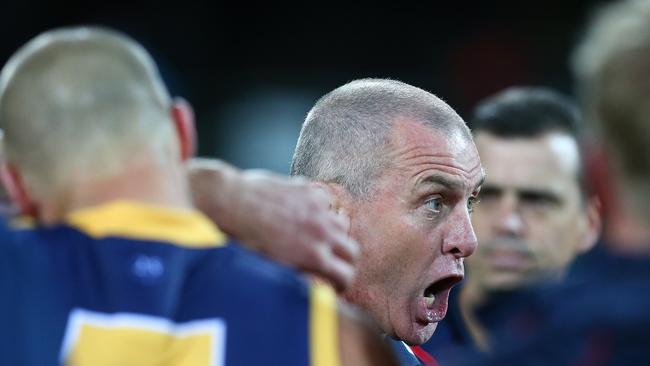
x=433 y=204
x=539 y=199
x=490 y=194
x=471 y=203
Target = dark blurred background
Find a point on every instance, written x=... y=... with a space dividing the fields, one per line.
x=252 y=71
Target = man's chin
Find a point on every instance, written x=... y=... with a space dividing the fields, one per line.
x=419 y=333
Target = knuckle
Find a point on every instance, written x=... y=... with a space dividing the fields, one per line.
x=321 y=231
x=339 y=221
x=318 y=258
x=320 y=195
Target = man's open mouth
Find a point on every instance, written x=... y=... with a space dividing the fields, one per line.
x=432 y=306
x=440 y=286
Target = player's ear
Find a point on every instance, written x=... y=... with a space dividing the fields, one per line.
x=183 y=117
x=16 y=190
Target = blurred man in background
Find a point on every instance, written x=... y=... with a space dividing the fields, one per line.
x=601 y=315
x=120 y=268
x=402 y=164
x=535 y=216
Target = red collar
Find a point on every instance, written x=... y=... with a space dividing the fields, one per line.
x=424 y=356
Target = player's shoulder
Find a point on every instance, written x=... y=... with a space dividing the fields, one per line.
x=236 y=266
x=23 y=239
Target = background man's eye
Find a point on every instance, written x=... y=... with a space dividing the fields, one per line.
x=433 y=204
x=539 y=199
x=490 y=194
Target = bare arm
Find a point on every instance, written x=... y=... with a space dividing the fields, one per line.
x=287 y=219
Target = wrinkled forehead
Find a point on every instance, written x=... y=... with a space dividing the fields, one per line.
x=451 y=139
x=552 y=152
x=418 y=151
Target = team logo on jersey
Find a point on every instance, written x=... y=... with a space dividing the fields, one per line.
x=101 y=339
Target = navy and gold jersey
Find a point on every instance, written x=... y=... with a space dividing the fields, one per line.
x=130 y=284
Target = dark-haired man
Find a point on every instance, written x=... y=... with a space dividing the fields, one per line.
x=535 y=215
x=600 y=315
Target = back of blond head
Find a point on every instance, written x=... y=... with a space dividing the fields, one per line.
x=612 y=66
x=81 y=103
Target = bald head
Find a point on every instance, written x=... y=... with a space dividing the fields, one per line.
x=79 y=103
x=345 y=136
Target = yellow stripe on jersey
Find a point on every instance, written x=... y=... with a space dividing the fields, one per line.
x=134 y=220
x=100 y=339
x=22 y=222
x=323 y=325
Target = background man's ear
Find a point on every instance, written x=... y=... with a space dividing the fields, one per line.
x=593 y=229
x=183 y=117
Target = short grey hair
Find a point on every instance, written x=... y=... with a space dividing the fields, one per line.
x=77 y=103
x=345 y=135
x=612 y=67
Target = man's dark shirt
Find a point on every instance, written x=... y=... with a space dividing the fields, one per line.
x=600 y=315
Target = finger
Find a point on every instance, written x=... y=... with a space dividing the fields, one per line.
x=343 y=215
x=320 y=195
x=322 y=262
x=343 y=275
x=344 y=247
x=342 y=220
x=339 y=272
x=330 y=230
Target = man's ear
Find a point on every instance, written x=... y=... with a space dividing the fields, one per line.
x=183 y=117
x=15 y=187
x=593 y=224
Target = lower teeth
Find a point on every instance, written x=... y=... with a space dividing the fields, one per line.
x=430 y=299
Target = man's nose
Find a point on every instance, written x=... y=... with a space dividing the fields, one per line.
x=460 y=240
x=509 y=222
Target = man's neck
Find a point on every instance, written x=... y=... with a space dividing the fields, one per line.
x=138 y=183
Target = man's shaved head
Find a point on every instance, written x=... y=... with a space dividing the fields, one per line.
x=345 y=135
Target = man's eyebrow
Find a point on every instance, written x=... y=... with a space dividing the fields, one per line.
x=480 y=182
x=447 y=182
x=440 y=179
x=532 y=194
